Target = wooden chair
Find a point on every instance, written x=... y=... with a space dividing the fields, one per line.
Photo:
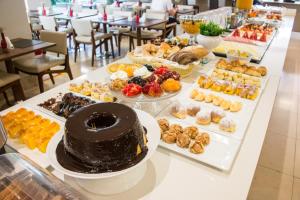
x=43 y=64
x=118 y=32
x=84 y=34
x=165 y=28
x=49 y=23
x=147 y=35
x=12 y=81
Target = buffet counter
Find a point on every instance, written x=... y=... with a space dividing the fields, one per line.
x=171 y=176
x=290 y=5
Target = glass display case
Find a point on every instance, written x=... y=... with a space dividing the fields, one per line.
x=22 y=179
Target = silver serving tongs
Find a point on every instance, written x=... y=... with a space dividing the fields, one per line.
x=3 y=134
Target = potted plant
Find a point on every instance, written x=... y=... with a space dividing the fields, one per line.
x=209 y=35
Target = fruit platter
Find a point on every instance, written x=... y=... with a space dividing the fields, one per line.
x=176 y=58
x=145 y=84
x=253 y=34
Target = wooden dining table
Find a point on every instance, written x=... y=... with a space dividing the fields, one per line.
x=21 y=48
x=105 y=24
x=79 y=16
x=137 y=26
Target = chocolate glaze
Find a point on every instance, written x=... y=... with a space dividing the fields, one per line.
x=101 y=138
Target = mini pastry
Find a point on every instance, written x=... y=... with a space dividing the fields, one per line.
x=209 y=98
x=197 y=148
x=191 y=131
x=227 y=124
x=252 y=72
x=117 y=84
x=176 y=128
x=171 y=85
x=235 y=106
x=217 y=100
x=203 y=138
x=216 y=86
x=192 y=109
x=183 y=140
x=194 y=93
x=163 y=124
x=203 y=117
x=225 y=104
x=75 y=88
x=200 y=97
x=217 y=115
x=229 y=89
x=207 y=83
x=262 y=70
x=179 y=110
x=169 y=137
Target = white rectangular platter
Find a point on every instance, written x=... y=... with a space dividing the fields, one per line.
x=35 y=155
x=220 y=153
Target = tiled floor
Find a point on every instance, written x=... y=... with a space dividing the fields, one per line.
x=277 y=176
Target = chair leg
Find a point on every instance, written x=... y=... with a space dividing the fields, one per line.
x=84 y=46
x=68 y=68
x=52 y=78
x=18 y=91
x=130 y=43
x=93 y=54
x=119 y=43
x=116 y=39
x=6 y=98
x=76 y=49
x=41 y=83
x=112 y=47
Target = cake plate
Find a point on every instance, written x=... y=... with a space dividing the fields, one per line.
x=111 y=182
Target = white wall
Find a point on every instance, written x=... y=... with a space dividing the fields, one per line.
x=13 y=19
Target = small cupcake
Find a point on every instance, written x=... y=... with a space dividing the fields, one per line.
x=203 y=117
x=191 y=131
x=194 y=93
x=227 y=124
x=209 y=98
x=217 y=100
x=217 y=115
x=200 y=97
x=179 y=110
x=192 y=109
x=235 y=106
x=225 y=104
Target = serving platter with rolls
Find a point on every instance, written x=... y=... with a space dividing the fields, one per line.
x=181 y=60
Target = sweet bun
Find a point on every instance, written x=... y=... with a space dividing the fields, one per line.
x=198 y=50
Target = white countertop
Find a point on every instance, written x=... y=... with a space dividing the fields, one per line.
x=171 y=176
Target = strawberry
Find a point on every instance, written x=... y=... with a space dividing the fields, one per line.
x=131 y=90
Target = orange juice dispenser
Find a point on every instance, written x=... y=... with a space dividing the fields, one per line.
x=244 y=4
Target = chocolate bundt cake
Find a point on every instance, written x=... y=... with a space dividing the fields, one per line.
x=103 y=137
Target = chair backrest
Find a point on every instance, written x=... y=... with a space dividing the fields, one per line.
x=82 y=27
x=184 y=7
x=110 y=9
x=122 y=13
x=48 y=23
x=59 y=38
x=150 y=14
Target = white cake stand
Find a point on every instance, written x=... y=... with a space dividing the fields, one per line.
x=111 y=182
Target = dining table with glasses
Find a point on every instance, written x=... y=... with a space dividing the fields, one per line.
x=76 y=16
x=21 y=47
x=137 y=26
x=105 y=24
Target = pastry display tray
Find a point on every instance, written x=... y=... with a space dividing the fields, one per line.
x=258 y=52
x=35 y=155
x=220 y=153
